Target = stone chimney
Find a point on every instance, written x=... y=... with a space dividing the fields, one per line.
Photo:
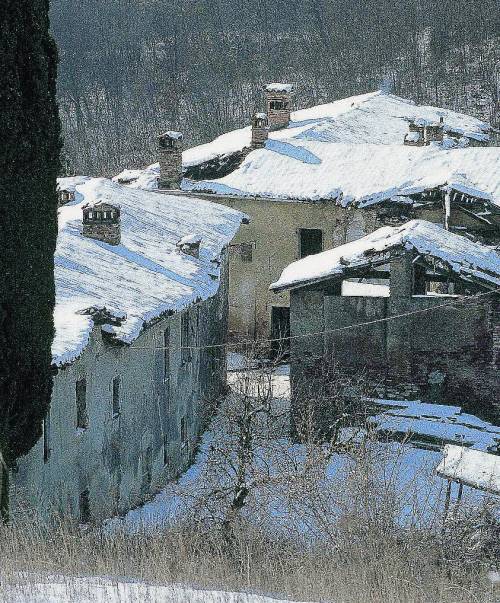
x=415 y=135
x=278 y=104
x=434 y=132
x=260 y=130
x=190 y=245
x=170 y=151
x=64 y=196
x=101 y=221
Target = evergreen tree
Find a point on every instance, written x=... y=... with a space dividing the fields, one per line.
x=29 y=163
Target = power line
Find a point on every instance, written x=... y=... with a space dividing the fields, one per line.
x=252 y=342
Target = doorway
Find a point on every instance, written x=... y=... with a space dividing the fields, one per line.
x=280 y=332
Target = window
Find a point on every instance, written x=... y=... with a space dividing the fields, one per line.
x=89 y=215
x=246 y=252
x=116 y=397
x=184 y=432
x=185 y=338
x=166 y=354
x=84 y=506
x=147 y=469
x=46 y=437
x=82 y=419
x=165 y=449
x=310 y=241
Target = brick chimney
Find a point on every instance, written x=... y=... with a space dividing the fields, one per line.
x=260 y=130
x=278 y=104
x=170 y=151
x=101 y=221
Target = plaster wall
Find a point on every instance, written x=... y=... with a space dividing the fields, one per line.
x=123 y=459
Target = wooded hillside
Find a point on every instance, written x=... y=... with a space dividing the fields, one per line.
x=132 y=68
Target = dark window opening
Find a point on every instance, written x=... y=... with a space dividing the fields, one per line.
x=427 y=281
x=82 y=419
x=184 y=432
x=46 y=437
x=280 y=332
x=166 y=143
x=310 y=241
x=147 y=469
x=246 y=252
x=84 y=506
x=116 y=397
x=185 y=338
x=166 y=354
x=165 y=450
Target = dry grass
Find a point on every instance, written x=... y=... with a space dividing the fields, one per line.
x=407 y=567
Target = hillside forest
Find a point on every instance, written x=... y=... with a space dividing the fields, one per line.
x=130 y=69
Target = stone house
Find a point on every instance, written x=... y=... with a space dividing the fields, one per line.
x=134 y=371
x=397 y=306
x=328 y=175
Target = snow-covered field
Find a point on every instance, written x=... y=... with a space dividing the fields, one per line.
x=401 y=469
x=66 y=589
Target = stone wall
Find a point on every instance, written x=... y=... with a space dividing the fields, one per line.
x=447 y=355
x=123 y=459
x=108 y=232
x=170 y=167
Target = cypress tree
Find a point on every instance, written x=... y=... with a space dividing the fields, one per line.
x=29 y=164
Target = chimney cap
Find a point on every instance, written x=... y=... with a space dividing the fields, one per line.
x=172 y=135
x=279 y=87
x=190 y=239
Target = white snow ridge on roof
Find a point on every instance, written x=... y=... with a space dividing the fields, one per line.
x=144 y=276
x=466 y=258
x=353 y=146
x=278 y=87
x=473 y=468
x=172 y=134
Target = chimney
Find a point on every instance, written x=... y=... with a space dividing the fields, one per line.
x=101 y=221
x=190 y=245
x=64 y=196
x=260 y=130
x=278 y=104
x=170 y=151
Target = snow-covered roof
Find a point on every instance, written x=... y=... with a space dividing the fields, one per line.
x=352 y=147
x=473 y=468
x=142 y=277
x=279 y=87
x=260 y=115
x=468 y=259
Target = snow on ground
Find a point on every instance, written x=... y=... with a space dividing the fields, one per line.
x=142 y=277
x=402 y=469
x=30 y=588
x=465 y=257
